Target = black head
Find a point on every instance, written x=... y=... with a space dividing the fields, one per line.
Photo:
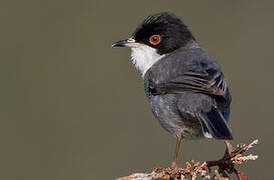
x=158 y=35
x=163 y=31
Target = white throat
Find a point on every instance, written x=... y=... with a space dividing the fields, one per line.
x=143 y=57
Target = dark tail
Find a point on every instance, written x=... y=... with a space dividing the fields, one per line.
x=214 y=123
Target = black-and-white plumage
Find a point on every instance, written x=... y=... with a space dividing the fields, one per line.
x=186 y=88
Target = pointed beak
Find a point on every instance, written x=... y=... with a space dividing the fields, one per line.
x=123 y=43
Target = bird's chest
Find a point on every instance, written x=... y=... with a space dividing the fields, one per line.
x=165 y=109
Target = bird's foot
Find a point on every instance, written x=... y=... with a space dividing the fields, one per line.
x=174 y=165
x=232 y=157
x=177 y=172
x=158 y=168
x=170 y=170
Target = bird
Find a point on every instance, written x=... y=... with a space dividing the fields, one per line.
x=185 y=86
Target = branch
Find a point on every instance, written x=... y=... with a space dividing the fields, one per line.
x=223 y=167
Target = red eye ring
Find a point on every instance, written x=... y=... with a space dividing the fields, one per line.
x=155 y=39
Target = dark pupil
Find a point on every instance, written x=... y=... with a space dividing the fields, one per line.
x=154 y=39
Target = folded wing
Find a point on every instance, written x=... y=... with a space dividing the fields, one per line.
x=210 y=82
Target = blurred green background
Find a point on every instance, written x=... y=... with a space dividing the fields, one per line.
x=74 y=108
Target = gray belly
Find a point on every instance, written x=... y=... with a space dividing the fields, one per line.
x=164 y=108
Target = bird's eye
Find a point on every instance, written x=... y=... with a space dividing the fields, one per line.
x=155 y=39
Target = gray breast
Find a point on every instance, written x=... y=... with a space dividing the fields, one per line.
x=165 y=109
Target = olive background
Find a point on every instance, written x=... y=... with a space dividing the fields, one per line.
x=72 y=107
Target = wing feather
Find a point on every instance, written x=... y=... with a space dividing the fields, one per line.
x=205 y=82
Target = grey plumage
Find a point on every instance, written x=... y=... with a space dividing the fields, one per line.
x=188 y=94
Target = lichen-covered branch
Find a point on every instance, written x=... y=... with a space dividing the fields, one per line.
x=223 y=168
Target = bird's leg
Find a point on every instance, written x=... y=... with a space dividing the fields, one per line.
x=228 y=149
x=174 y=162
